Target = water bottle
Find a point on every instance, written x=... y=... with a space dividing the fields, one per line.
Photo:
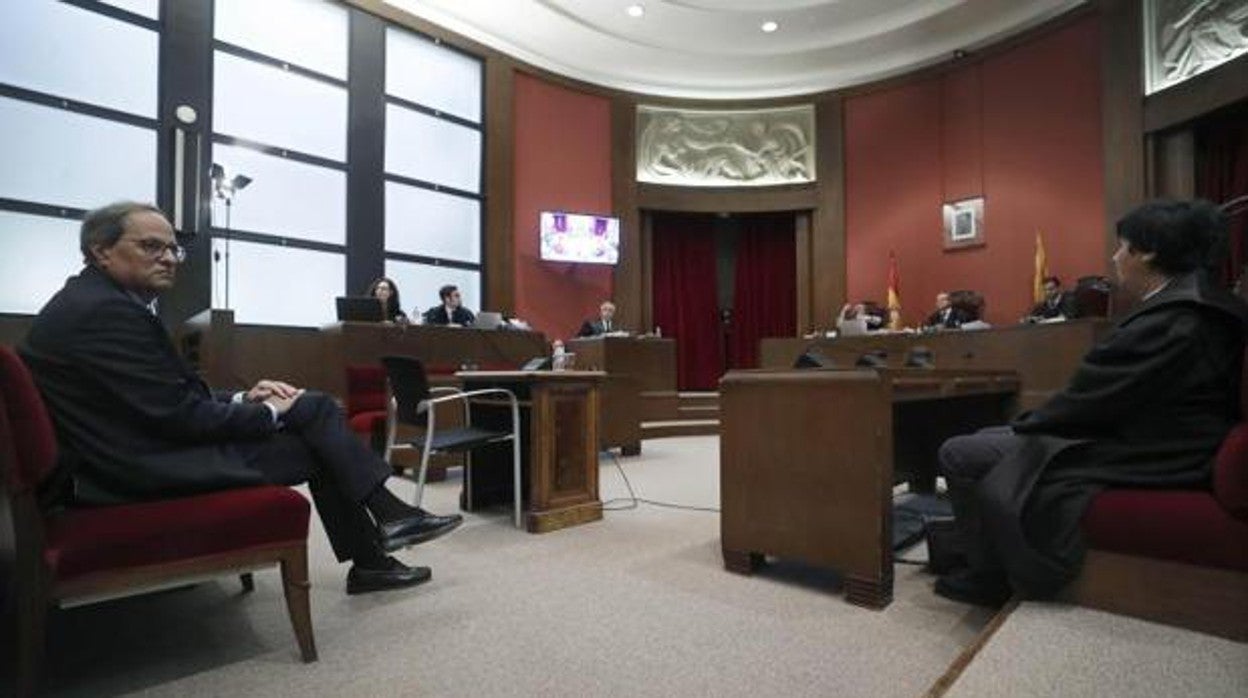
x=557 y=355
x=658 y=331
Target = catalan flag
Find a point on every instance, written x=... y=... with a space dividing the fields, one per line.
x=1042 y=271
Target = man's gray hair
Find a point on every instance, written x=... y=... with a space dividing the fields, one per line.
x=103 y=226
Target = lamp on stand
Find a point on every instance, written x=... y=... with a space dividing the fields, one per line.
x=224 y=187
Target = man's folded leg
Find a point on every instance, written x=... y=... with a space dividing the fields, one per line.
x=286 y=459
x=320 y=423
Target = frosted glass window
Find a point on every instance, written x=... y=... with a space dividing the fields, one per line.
x=285 y=197
x=275 y=285
x=81 y=55
x=429 y=223
x=421 y=71
x=39 y=254
x=267 y=104
x=311 y=34
x=419 y=283
x=58 y=157
x=147 y=8
x=432 y=150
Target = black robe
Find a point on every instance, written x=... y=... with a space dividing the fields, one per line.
x=1147 y=407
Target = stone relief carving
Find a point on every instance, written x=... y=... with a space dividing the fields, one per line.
x=1188 y=37
x=726 y=148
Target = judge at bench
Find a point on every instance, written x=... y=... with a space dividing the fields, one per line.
x=946 y=316
x=1056 y=304
x=134 y=422
x=605 y=323
x=451 y=312
x=1147 y=407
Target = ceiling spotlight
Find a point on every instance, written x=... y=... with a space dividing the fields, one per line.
x=769 y=26
x=635 y=10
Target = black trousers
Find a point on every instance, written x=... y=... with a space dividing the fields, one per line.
x=964 y=461
x=316 y=446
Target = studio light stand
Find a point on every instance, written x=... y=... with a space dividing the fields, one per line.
x=225 y=187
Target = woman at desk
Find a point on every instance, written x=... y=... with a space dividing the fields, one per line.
x=386 y=291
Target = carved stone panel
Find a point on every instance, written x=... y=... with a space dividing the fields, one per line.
x=701 y=148
x=1184 y=38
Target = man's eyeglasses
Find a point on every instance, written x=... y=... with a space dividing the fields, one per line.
x=157 y=248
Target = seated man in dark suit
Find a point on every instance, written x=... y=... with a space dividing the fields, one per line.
x=604 y=324
x=946 y=316
x=1148 y=407
x=1056 y=304
x=450 y=312
x=134 y=422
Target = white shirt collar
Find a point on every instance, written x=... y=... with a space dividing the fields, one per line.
x=1155 y=291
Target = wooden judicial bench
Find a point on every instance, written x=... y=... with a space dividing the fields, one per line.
x=649 y=362
x=640 y=370
x=559 y=446
x=1044 y=355
x=808 y=460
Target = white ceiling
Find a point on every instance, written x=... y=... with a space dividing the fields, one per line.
x=715 y=49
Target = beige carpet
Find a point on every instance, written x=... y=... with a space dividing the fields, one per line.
x=1057 y=650
x=637 y=604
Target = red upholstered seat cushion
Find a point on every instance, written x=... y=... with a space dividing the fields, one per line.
x=82 y=541
x=366 y=389
x=34 y=442
x=1181 y=525
x=1230 y=472
x=366 y=423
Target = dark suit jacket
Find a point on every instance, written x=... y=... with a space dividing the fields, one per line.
x=133 y=421
x=956 y=318
x=593 y=328
x=1065 y=306
x=437 y=316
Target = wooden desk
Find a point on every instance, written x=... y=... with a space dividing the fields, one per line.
x=559 y=446
x=633 y=365
x=807 y=460
x=440 y=348
x=1045 y=356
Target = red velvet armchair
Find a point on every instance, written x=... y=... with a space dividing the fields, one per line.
x=368 y=402
x=83 y=555
x=1175 y=556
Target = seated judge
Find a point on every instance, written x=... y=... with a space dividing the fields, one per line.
x=134 y=422
x=386 y=291
x=1056 y=304
x=450 y=312
x=605 y=324
x=1147 y=407
x=946 y=316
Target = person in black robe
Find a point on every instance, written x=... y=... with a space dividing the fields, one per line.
x=603 y=325
x=946 y=316
x=134 y=422
x=1148 y=406
x=451 y=312
x=1056 y=303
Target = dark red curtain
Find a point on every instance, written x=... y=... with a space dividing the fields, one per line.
x=686 y=306
x=1222 y=174
x=765 y=289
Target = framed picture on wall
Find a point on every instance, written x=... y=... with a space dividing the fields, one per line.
x=963 y=223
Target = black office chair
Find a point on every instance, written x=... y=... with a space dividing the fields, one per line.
x=412 y=402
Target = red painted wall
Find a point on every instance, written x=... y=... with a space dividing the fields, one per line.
x=562 y=163
x=1021 y=128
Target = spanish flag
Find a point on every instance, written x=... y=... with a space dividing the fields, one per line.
x=894 y=293
x=1042 y=270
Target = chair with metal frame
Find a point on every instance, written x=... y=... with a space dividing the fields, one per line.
x=413 y=403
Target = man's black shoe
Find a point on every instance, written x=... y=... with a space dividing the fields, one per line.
x=390 y=574
x=416 y=529
x=969 y=586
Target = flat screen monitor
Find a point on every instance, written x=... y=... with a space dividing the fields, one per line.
x=579 y=237
x=360 y=309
